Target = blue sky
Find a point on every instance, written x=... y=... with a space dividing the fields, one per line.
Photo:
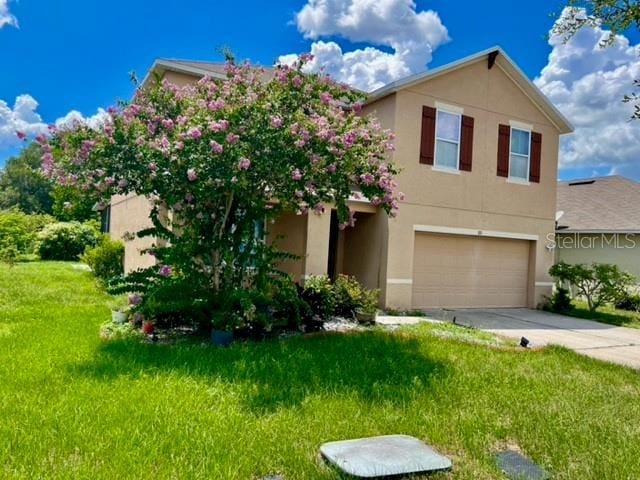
x=76 y=55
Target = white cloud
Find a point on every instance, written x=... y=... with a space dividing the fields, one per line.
x=5 y=16
x=587 y=83
x=24 y=117
x=395 y=24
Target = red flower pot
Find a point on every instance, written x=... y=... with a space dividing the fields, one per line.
x=148 y=327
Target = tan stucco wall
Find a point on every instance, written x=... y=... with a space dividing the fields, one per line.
x=589 y=248
x=479 y=199
x=129 y=215
x=364 y=249
x=289 y=233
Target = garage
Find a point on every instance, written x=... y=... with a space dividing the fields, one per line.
x=457 y=271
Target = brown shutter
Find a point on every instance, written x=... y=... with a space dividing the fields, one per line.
x=428 y=135
x=466 y=143
x=536 y=153
x=504 y=139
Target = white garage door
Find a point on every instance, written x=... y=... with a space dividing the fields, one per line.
x=474 y=272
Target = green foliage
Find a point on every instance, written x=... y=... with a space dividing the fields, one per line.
x=22 y=184
x=345 y=297
x=598 y=283
x=559 y=302
x=67 y=240
x=351 y=297
x=70 y=203
x=629 y=302
x=105 y=259
x=18 y=234
x=318 y=293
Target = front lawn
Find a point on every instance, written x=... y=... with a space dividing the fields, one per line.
x=606 y=314
x=74 y=406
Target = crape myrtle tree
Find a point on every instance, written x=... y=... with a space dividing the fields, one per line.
x=219 y=157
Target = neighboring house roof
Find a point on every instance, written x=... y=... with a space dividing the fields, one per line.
x=197 y=68
x=599 y=205
x=497 y=56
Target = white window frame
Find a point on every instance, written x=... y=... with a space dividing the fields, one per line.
x=451 y=110
x=527 y=129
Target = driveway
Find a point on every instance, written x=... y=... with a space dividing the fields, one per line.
x=598 y=340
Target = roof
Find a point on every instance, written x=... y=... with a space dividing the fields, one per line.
x=500 y=58
x=196 y=67
x=599 y=205
x=505 y=63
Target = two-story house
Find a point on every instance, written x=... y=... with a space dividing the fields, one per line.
x=477 y=143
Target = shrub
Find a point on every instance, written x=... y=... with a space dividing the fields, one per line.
x=19 y=233
x=67 y=240
x=559 y=302
x=106 y=259
x=351 y=296
x=598 y=283
x=629 y=301
x=318 y=293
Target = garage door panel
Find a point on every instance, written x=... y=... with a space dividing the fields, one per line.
x=459 y=271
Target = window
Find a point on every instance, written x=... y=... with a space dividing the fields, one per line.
x=519 y=154
x=447 y=140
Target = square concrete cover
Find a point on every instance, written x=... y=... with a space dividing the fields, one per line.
x=383 y=456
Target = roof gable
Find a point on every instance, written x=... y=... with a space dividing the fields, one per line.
x=500 y=60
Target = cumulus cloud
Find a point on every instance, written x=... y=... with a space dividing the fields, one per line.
x=23 y=117
x=395 y=24
x=587 y=83
x=5 y=16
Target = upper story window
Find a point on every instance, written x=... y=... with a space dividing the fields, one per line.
x=447 y=151
x=519 y=154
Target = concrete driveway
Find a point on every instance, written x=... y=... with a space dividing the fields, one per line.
x=598 y=340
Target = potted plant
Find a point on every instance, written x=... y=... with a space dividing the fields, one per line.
x=119 y=309
x=368 y=307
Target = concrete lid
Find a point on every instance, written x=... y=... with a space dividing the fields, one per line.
x=383 y=456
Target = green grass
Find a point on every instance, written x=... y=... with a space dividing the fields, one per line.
x=74 y=406
x=607 y=314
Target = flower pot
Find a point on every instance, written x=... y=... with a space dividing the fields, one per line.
x=221 y=338
x=366 y=318
x=148 y=327
x=118 y=316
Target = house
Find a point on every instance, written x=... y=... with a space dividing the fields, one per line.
x=599 y=221
x=477 y=143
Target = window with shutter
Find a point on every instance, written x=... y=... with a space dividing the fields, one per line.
x=504 y=132
x=536 y=154
x=519 y=154
x=428 y=134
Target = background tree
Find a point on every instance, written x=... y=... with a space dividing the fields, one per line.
x=616 y=15
x=23 y=185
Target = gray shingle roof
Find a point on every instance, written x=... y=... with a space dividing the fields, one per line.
x=216 y=69
x=604 y=204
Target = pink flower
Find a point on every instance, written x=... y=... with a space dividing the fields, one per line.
x=216 y=105
x=326 y=97
x=219 y=126
x=244 y=163
x=165 y=270
x=215 y=147
x=332 y=168
x=123 y=183
x=318 y=209
x=21 y=135
x=296 y=175
x=194 y=132
x=192 y=176
x=153 y=167
x=232 y=138
x=167 y=123
x=367 y=178
x=275 y=121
